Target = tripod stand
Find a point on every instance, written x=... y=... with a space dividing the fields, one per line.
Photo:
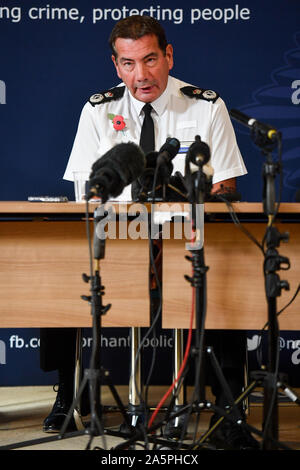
x=95 y=374
x=266 y=138
x=199 y=186
x=273 y=287
x=269 y=377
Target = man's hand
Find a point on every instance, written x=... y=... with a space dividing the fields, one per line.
x=226 y=186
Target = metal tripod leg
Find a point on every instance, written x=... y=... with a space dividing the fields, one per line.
x=178 y=358
x=175 y=426
x=77 y=379
x=135 y=381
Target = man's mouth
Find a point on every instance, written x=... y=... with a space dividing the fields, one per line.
x=145 y=88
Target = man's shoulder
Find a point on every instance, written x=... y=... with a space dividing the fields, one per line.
x=199 y=93
x=107 y=96
x=187 y=90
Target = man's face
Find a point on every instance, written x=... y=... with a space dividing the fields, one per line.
x=143 y=66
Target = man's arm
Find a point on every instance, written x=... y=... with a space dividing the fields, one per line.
x=226 y=159
x=86 y=144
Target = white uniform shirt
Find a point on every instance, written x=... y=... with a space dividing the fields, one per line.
x=174 y=115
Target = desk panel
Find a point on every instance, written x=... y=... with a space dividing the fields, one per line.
x=235 y=282
x=44 y=251
x=41 y=266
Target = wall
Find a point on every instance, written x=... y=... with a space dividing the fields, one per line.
x=53 y=60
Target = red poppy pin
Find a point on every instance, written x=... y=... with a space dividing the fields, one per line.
x=118 y=121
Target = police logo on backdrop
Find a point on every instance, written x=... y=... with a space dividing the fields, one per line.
x=276 y=104
x=2 y=92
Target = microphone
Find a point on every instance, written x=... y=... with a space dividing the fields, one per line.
x=168 y=151
x=117 y=168
x=198 y=183
x=252 y=123
x=144 y=182
x=198 y=152
x=158 y=164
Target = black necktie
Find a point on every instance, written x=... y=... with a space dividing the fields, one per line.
x=147 y=143
x=147 y=140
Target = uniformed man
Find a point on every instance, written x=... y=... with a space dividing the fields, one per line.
x=143 y=59
x=178 y=110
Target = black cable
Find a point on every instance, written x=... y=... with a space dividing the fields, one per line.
x=152 y=327
x=237 y=222
x=158 y=283
x=88 y=234
x=94 y=338
x=200 y=359
x=274 y=377
x=262 y=248
x=199 y=265
x=259 y=349
x=259 y=354
x=272 y=219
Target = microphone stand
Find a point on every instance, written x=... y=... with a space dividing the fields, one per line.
x=273 y=286
x=197 y=190
x=269 y=377
x=95 y=373
x=198 y=281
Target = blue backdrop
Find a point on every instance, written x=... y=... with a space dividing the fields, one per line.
x=54 y=55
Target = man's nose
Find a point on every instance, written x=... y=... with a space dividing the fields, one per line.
x=141 y=72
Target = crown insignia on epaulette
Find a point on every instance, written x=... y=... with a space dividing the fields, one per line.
x=199 y=93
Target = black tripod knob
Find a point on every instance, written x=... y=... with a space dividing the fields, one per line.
x=274 y=285
x=274 y=237
x=86 y=278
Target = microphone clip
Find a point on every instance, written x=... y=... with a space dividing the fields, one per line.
x=266 y=141
x=198 y=183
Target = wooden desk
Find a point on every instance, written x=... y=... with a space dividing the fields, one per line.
x=44 y=251
x=235 y=282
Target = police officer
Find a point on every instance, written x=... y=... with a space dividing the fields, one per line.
x=143 y=59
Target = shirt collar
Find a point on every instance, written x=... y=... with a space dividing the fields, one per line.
x=159 y=105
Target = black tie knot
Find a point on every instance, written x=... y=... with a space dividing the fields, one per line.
x=147 y=109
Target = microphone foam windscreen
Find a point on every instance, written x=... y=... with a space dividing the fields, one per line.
x=127 y=159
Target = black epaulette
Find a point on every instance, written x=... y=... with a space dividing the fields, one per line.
x=199 y=93
x=106 y=96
